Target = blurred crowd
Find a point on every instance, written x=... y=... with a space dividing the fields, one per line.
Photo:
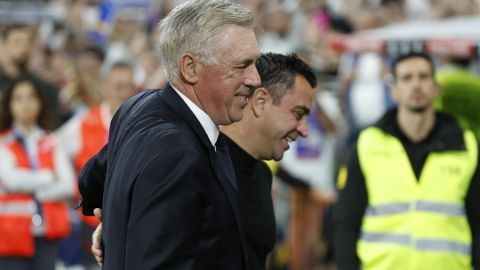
x=76 y=61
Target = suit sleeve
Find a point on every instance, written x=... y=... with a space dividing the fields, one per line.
x=91 y=181
x=348 y=215
x=167 y=212
x=472 y=207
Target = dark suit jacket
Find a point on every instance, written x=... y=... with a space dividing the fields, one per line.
x=166 y=204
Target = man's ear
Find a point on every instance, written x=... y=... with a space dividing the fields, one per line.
x=259 y=101
x=189 y=68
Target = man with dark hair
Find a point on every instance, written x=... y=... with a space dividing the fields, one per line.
x=412 y=194
x=17 y=40
x=401 y=58
x=275 y=115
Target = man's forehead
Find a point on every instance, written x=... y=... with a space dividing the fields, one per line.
x=239 y=43
x=413 y=64
x=246 y=57
x=299 y=98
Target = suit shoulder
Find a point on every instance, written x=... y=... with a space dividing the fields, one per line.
x=176 y=135
x=151 y=139
x=139 y=99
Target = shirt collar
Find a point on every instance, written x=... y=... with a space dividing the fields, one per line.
x=207 y=123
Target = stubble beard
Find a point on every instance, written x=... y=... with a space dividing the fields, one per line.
x=419 y=109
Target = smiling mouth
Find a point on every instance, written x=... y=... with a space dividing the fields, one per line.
x=286 y=141
x=243 y=97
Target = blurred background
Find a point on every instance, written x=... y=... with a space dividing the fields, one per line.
x=73 y=48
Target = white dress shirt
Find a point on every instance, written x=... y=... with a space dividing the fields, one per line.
x=207 y=123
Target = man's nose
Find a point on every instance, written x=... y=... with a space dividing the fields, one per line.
x=303 y=127
x=252 y=77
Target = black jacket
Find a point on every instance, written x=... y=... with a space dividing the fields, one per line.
x=167 y=203
x=254 y=181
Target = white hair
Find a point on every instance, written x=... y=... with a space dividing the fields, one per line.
x=195 y=27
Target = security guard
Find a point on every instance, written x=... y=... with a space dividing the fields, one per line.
x=412 y=194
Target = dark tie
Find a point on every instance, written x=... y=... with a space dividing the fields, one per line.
x=225 y=161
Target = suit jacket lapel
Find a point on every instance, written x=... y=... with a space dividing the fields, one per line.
x=175 y=102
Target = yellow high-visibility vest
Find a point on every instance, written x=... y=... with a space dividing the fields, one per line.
x=410 y=224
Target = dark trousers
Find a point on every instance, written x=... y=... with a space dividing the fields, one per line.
x=44 y=259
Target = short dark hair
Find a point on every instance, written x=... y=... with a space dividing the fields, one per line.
x=44 y=119
x=8 y=29
x=278 y=71
x=410 y=55
x=96 y=51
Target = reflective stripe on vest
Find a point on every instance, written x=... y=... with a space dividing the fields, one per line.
x=17 y=208
x=93 y=136
x=443 y=245
x=409 y=223
x=419 y=244
x=426 y=206
x=16 y=237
